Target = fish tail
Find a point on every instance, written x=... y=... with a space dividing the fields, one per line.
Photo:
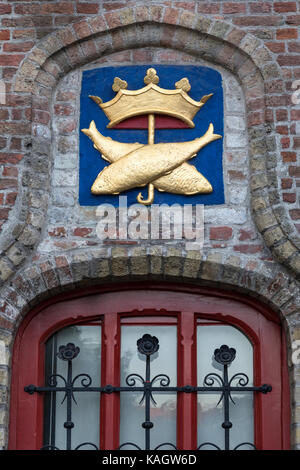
x=91 y=130
x=210 y=134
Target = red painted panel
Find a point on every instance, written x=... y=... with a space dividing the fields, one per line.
x=187 y=375
x=161 y=122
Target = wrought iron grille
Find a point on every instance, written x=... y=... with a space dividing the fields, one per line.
x=148 y=345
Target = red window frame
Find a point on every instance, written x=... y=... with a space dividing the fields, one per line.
x=155 y=304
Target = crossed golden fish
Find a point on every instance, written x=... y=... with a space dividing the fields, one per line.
x=161 y=166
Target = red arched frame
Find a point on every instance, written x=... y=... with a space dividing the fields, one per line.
x=156 y=304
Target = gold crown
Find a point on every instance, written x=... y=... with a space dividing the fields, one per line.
x=151 y=99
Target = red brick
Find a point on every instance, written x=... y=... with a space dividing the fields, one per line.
x=294 y=47
x=3 y=114
x=58 y=232
x=23 y=33
x=113 y=6
x=4 y=34
x=264 y=20
x=283 y=130
x=141 y=55
x=65 y=96
x=276 y=101
x=33 y=9
x=287 y=33
x=65 y=20
x=11 y=157
x=286 y=183
x=289 y=197
x=255 y=118
x=22 y=46
x=171 y=15
x=208 y=8
x=82 y=231
x=97 y=24
x=15 y=143
x=17 y=114
x=292 y=19
x=281 y=115
x=4 y=213
x=185 y=5
x=9 y=72
x=61 y=261
x=246 y=235
x=295 y=214
x=294 y=171
x=63 y=265
x=41 y=117
x=285 y=7
x=269 y=115
x=276 y=47
x=68 y=126
x=289 y=60
x=82 y=29
x=6 y=183
x=229 y=8
x=113 y=19
x=285 y=142
x=236 y=175
x=289 y=157
x=60 y=7
x=63 y=110
x=220 y=233
x=248 y=249
x=10 y=171
x=11 y=198
x=261 y=7
x=296 y=142
x=6 y=324
x=295 y=114
x=3 y=142
x=87 y=8
x=48 y=274
x=11 y=59
x=254 y=105
x=17 y=100
x=5 y=9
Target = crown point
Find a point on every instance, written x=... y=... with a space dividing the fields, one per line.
x=183 y=84
x=119 y=84
x=96 y=99
x=151 y=77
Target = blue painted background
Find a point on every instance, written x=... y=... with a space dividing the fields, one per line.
x=203 y=81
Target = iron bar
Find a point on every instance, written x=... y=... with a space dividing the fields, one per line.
x=148 y=345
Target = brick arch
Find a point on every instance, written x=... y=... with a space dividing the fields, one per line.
x=46 y=278
x=128 y=28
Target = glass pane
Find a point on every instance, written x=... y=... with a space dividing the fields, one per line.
x=86 y=410
x=210 y=413
x=164 y=361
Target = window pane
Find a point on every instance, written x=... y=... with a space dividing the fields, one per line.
x=86 y=410
x=164 y=361
x=210 y=413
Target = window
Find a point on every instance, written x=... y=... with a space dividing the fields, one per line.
x=187 y=347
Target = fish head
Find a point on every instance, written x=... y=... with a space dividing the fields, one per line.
x=104 y=184
x=206 y=187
